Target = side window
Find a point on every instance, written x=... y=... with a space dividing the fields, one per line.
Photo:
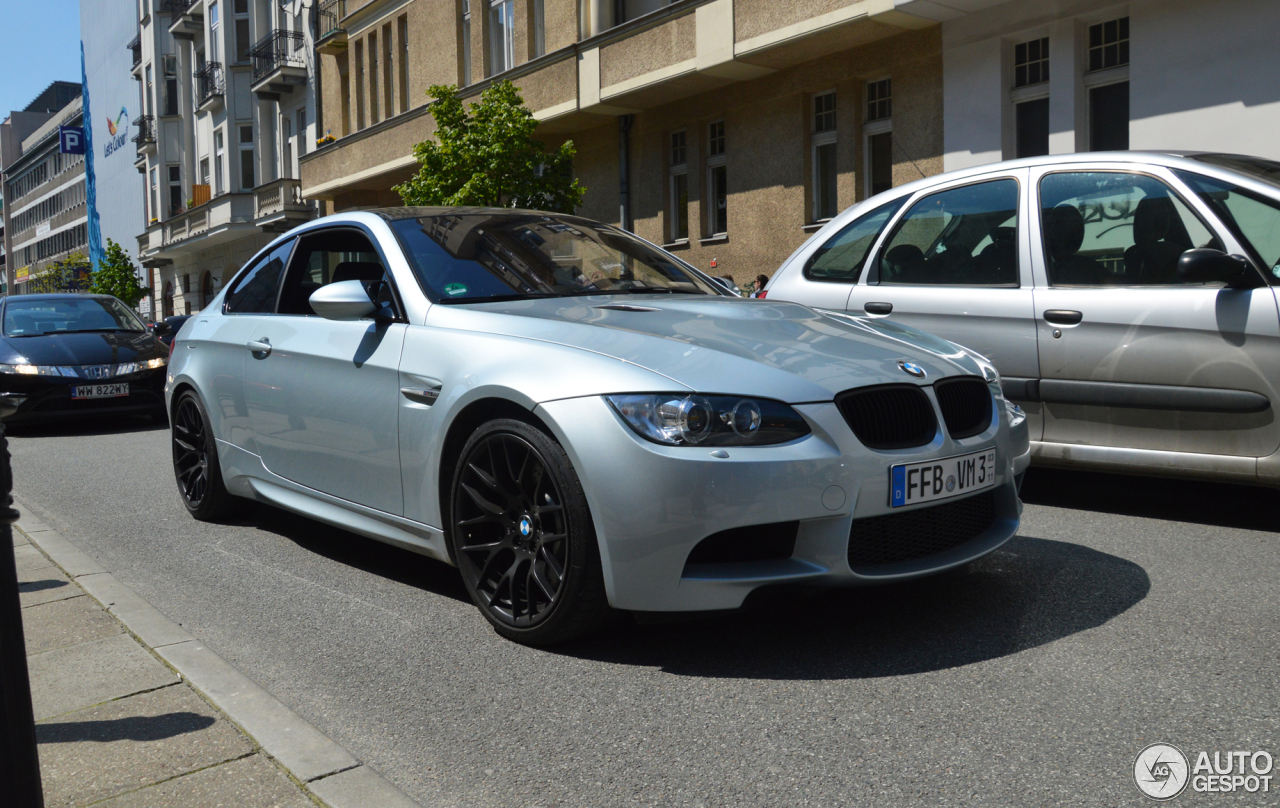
x=1255 y=218
x=332 y=256
x=1112 y=228
x=964 y=236
x=255 y=290
x=840 y=259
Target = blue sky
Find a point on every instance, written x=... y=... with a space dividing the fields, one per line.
x=41 y=44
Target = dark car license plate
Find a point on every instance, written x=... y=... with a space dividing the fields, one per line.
x=100 y=391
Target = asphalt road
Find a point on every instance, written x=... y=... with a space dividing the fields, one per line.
x=1127 y=611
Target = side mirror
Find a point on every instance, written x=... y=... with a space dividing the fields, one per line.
x=161 y=329
x=345 y=300
x=1206 y=265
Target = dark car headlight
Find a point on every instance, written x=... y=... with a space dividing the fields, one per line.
x=73 y=371
x=681 y=419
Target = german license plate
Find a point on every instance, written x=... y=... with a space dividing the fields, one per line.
x=100 y=390
x=913 y=483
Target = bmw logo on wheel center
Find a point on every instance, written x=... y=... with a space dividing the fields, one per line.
x=912 y=369
x=526 y=527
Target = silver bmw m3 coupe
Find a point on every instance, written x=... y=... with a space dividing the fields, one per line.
x=582 y=423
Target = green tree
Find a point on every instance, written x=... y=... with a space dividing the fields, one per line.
x=68 y=275
x=117 y=276
x=487 y=156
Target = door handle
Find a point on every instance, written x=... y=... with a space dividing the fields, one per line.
x=877 y=308
x=260 y=348
x=1063 y=317
x=422 y=394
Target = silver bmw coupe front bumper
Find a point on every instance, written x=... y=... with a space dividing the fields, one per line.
x=652 y=505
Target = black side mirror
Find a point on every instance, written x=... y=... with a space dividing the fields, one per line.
x=161 y=329
x=1206 y=265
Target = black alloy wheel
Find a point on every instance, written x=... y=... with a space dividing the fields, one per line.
x=522 y=536
x=195 y=461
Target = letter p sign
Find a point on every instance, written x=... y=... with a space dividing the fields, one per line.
x=71 y=139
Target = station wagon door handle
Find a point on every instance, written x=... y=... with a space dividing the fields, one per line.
x=259 y=348
x=1063 y=317
x=877 y=308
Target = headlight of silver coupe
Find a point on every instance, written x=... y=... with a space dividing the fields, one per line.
x=681 y=419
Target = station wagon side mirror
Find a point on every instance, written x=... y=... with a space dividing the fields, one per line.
x=344 y=300
x=1206 y=265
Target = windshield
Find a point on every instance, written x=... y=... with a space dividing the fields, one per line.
x=1267 y=171
x=36 y=317
x=486 y=255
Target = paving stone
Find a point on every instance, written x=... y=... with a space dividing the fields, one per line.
x=20 y=539
x=252 y=782
x=122 y=745
x=44 y=585
x=27 y=557
x=89 y=673
x=66 y=622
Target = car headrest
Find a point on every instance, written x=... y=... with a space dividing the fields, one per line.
x=1064 y=231
x=357 y=271
x=1153 y=220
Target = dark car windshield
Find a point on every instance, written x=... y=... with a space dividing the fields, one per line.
x=38 y=316
x=470 y=256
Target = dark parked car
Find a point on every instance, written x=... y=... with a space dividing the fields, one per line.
x=168 y=328
x=65 y=355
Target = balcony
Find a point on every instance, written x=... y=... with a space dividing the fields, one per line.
x=279 y=206
x=331 y=36
x=210 y=86
x=146 y=137
x=185 y=19
x=279 y=64
x=221 y=220
x=135 y=45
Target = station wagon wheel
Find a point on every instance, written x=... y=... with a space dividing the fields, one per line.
x=195 y=461
x=522 y=536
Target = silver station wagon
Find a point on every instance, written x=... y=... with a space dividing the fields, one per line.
x=1127 y=299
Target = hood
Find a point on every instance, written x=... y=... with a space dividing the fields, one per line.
x=107 y=348
x=724 y=345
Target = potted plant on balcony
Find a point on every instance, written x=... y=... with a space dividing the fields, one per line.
x=326 y=140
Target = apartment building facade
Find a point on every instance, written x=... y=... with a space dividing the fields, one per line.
x=228 y=102
x=727 y=130
x=44 y=211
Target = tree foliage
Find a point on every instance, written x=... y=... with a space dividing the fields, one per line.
x=116 y=275
x=487 y=156
x=71 y=274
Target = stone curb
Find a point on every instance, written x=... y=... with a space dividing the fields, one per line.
x=325 y=768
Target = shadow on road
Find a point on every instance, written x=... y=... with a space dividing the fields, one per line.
x=1219 y=504
x=1029 y=593
x=353 y=550
x=84 y=425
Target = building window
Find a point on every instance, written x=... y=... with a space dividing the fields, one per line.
x=879 y=100
x=146 y=101
x=344 y=92
x=501 y=36
x=155 y=194
x=215 y=31
x=539 y=29
x=373 y=78
x=679 y=229
x=402 y=32
x=286 y=143
x=219 y=160
x=170 y=84
x=717 y=181
x=359 y=85
x=246 y=158
x=1109 y=117
x=175 y=191
x=1031 y=120
x=302 y=132
x=466 y=42
x=823 y=139
x=204 y=172
x=388 y=69
x=1109 y=44
x=1031 y=62
x=243 y=43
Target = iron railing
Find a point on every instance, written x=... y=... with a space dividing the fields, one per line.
x=329 y=18
x=278 y=49
x=146 y=130
x=135 y=45
x=176 y=7
x=209 y=82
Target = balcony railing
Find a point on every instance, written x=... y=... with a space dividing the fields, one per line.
x=176 y=7
x=135 y=45
x=329 y=18
x=146 y=131
x=280 y=196
x=210 y=82
x=276 y=50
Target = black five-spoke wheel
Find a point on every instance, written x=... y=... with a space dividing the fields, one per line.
x=195 y=460
x=522 y=536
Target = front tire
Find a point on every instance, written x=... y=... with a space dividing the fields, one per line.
x=522 y=536
x=195 y=461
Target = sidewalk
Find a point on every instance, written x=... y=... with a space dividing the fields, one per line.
x=133 y=711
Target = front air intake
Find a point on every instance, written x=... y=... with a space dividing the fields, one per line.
x=965 y=402
x=910 y=535
x=891 y=416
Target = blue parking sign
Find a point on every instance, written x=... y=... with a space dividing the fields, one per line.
x=71 y=139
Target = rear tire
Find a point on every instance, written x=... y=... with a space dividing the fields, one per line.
x=195 y=461
x=522 y=536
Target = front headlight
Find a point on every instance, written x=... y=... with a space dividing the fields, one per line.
x=681 y=419
x=33 y=370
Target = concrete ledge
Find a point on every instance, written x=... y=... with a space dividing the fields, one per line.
x=140 y=617
x=64 y=553
x=300 y=747
x=358 y=787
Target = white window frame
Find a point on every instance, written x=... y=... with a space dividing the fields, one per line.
x=816 y=140
x=714 y=162
x=872 y=128
x=246 y=152
x=499 y=9
x=466 y=42
x=219 y=159
x=677 y=170
x=215 y=30
x=539 y=28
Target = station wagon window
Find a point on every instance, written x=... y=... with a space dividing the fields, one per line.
x=965 y=236
x=254 y=291
x=333 y=256
x=1114 y=228
x=841 y=258
x=1254 y=218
